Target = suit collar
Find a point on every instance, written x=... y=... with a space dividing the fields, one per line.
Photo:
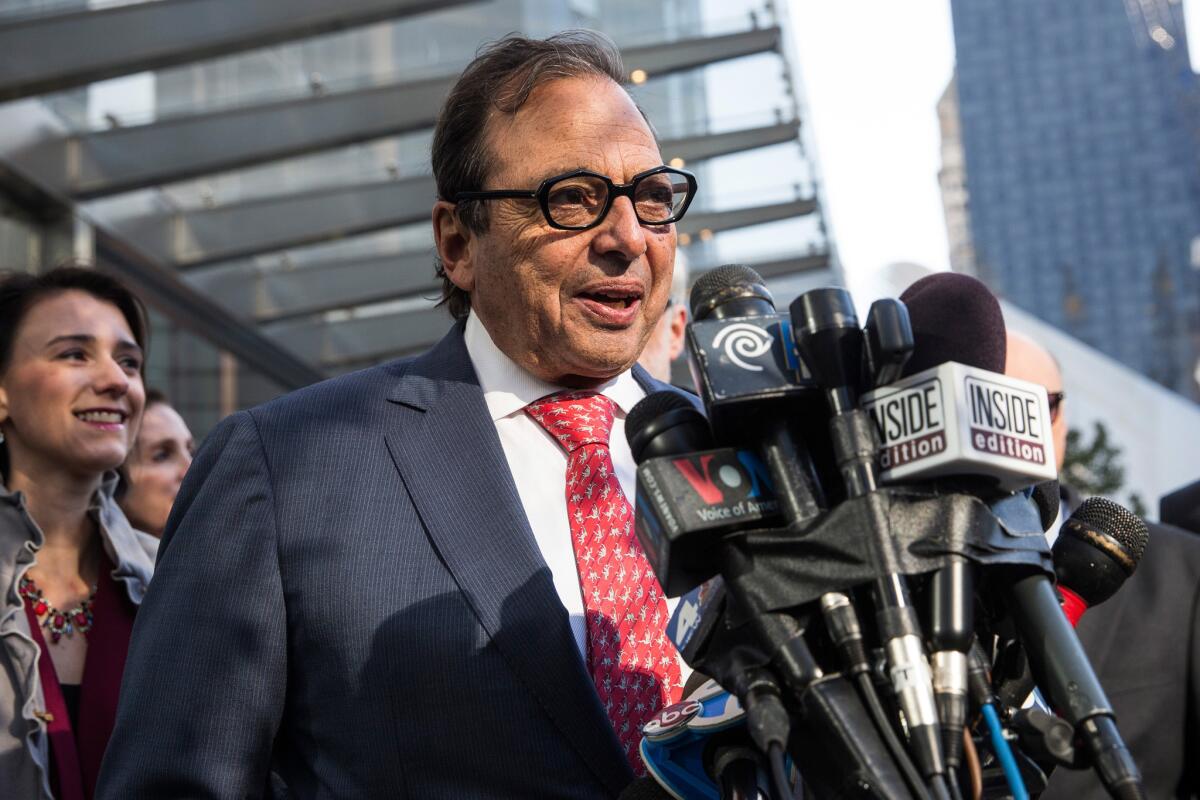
x=449 y=457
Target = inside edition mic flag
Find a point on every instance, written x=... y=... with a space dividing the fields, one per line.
x=955 y=412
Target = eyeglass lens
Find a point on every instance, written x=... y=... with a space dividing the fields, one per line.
x=579 y=200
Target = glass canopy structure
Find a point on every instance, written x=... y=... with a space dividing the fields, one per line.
x=258 y=171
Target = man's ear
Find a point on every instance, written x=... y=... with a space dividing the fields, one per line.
x=679 y=318
x=455 y=245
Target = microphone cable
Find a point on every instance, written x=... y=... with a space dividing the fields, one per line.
x=779 y=780
x=841 y=620
x=981 y=691
x=1012 y=774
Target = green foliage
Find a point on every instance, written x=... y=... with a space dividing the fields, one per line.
x=1094 y=467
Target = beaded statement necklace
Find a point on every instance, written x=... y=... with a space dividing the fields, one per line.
x=58 y=623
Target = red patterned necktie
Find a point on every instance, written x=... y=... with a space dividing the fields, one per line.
x=628 y=655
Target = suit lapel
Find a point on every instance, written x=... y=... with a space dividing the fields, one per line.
x=451 y=462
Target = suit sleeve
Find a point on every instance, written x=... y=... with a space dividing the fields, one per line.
x=205 y=679
x=1191 y=732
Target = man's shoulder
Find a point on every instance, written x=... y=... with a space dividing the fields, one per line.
x=1173 y=547
x=337 y=407
x=342 y=393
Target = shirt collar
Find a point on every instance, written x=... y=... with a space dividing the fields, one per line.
x=507 y=388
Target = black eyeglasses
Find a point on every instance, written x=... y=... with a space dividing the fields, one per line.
x=581 y=199
x=1055 y=399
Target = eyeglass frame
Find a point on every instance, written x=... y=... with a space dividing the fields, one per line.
x=615 y=190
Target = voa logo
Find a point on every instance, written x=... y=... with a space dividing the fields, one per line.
x=726 y=476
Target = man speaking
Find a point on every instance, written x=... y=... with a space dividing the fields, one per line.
x=421 y=580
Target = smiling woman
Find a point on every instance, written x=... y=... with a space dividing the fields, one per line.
x=72 y=569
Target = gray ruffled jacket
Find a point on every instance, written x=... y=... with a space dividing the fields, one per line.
x=24 y=746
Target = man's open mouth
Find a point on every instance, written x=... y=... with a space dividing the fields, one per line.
x=613 y=298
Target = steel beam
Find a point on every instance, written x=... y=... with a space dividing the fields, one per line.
x=656 y=60
x=200 y=314
x=122 y=159
x=715 y=221
x=281 y=294
x=703 y=146
x=52 y=52
x=244 y=229
x=358 y=340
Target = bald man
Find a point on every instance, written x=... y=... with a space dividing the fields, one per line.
x=1031 y=362
x=1144 y=642
x=666 y=342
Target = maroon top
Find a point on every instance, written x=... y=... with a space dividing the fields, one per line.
x=76 y=754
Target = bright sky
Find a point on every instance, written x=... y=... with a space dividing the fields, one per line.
x=873 y=71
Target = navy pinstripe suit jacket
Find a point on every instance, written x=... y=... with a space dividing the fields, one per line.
x=349 y=594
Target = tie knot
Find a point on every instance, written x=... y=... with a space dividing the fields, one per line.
x=574 y=418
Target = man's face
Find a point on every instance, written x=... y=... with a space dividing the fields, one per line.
x=571 y=307
x=1029 y=361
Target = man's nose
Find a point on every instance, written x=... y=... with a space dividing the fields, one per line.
x=620 y=232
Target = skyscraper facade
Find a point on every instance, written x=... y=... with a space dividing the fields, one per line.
x=1080 y=135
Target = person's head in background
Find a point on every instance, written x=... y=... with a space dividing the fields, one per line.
x=1031 y=362
x=666 y=342
x=154 y=471
x=72 y=347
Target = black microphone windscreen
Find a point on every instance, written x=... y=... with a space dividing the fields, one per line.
x=955 y=318
x=726 y=283
x=1048 y=499
x=650 y=408
x=659 y=412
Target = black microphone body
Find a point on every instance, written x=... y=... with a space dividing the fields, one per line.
x=831 y=345
x=1062 y=670
x=955 y=318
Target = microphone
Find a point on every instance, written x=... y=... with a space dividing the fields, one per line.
x=831 y=345
x=1097 y=549
x=1004 y=435
x=689 y=493
x=753 y=384
x=925 y=425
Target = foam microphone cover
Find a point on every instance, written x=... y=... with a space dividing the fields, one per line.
x=955 y=318
x=1048 y=498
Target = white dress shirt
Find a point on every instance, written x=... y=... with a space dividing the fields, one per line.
x=539 y=464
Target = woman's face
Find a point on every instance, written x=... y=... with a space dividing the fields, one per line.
x=160 y=458
x=71 y=399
